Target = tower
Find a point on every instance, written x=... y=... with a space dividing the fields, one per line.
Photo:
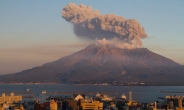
x=130 y=95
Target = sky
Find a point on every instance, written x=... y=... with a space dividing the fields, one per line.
x=33 y=32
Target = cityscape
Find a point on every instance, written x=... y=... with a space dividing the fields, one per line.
x=87 y=102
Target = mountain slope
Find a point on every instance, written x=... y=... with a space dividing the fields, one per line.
x=104 y=63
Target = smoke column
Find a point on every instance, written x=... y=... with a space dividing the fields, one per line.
x=108 y=28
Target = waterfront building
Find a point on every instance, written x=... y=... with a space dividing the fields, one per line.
x=131 y=104
x=104 y=97
x=130 y=96
x=123 y=96
x=10 y=99
x=175 y=102
x=79 y=96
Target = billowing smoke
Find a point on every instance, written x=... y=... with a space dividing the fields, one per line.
x=114 y=29
x=118 y=43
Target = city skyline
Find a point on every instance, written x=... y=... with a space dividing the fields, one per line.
x=33 y=32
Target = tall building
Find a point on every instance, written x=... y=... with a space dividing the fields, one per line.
x=130 y=95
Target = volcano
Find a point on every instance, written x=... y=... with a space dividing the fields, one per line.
x=105 y=64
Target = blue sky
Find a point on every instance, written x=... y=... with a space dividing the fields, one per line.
x=32 y=32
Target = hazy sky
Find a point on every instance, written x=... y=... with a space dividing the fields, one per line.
x=33 y=32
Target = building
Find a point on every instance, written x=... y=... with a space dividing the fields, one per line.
x=79 y=96
x=38 y=106
x=175 y=102
x=12 y=107
x=53 y=105
x=70 y=105
x=10 y=99
x=94 y=105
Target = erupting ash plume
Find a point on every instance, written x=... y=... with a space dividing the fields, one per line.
x=116 y=30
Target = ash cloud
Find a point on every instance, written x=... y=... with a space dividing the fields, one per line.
x=88 y=23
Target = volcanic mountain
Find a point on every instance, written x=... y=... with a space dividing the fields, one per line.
x=105 y=64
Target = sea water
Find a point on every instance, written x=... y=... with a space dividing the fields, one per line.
x=142 y=94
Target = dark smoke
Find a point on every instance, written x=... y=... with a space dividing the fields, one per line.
x=115 y=29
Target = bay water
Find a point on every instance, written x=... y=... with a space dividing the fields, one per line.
x=142 y=94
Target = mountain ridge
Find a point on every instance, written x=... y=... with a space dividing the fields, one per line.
x=104 y=64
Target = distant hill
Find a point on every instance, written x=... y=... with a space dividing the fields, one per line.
x=105 y=64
